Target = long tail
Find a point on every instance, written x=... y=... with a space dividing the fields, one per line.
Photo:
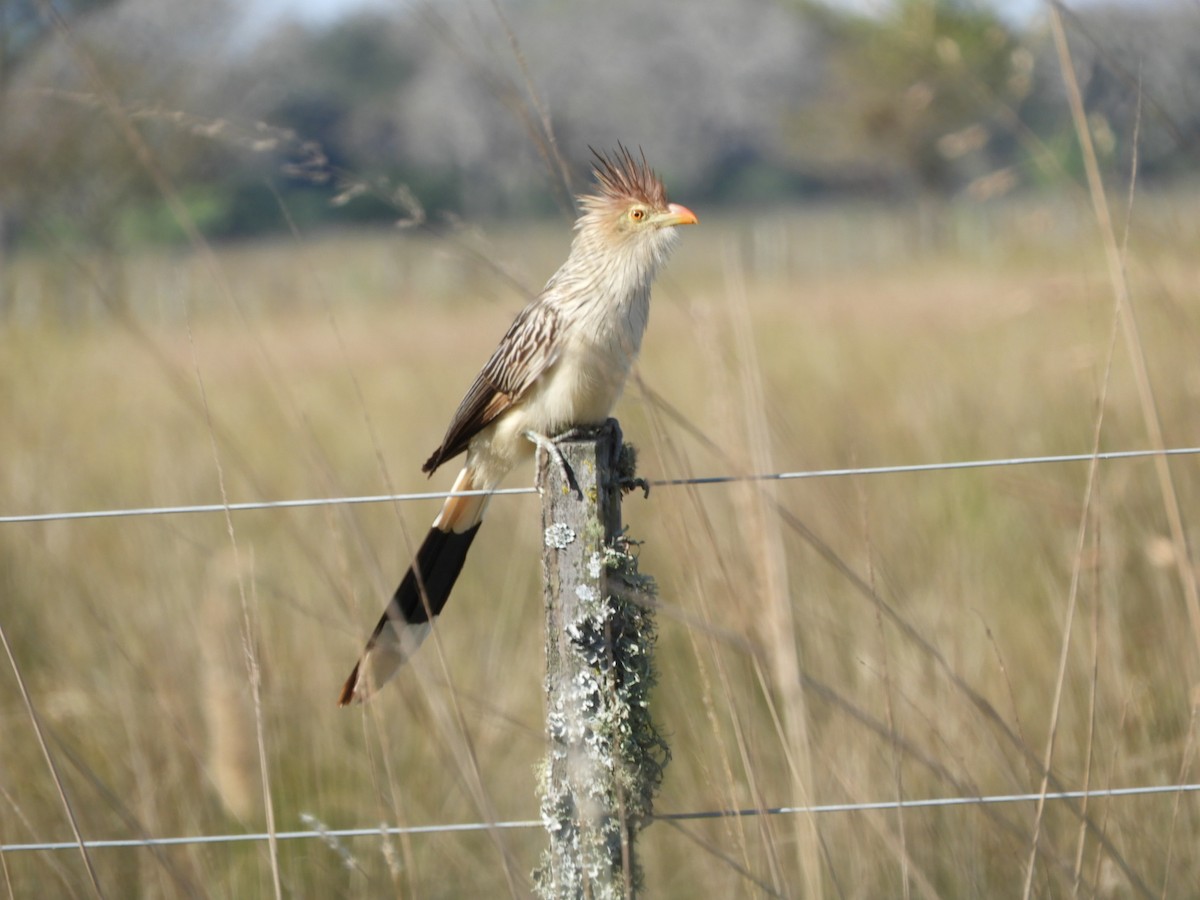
x=421 y=595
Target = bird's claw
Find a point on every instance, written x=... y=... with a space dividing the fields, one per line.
x=627 y=478
x=630 y=484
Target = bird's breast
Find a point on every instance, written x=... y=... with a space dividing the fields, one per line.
x=581 y=389
x=598 y=349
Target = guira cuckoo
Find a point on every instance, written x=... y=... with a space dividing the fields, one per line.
x=561 y=364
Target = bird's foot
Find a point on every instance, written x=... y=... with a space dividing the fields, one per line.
x=611 y=426
x=551 y=448
x=626 y=462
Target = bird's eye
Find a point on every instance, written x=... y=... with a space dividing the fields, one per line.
x=637 y=214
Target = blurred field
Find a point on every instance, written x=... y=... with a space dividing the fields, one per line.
x=820 y=338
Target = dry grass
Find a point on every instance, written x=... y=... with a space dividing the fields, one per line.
x=789 y=340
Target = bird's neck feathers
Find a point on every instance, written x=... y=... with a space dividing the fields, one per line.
x=614 y=263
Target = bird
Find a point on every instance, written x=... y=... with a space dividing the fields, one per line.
x=561 y=365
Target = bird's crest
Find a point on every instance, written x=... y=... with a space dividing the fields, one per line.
x=623 y=177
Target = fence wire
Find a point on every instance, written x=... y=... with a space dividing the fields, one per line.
x=326 y=834
x=665 y=482
x=386 y=830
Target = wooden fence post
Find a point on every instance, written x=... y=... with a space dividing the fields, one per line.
x=605 y=758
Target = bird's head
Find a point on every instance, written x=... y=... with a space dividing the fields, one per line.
x=630 y=212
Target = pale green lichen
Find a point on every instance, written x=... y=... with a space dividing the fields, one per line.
x=559 y=536
x=606 y=757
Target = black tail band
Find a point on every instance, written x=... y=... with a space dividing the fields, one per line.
x=439 y=562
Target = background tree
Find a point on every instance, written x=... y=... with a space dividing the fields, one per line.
x=24 y=26
x=916 y=98
x=1127 y=57
x=66 y=167
x=459 y=101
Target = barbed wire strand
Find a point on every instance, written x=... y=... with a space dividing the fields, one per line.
x=824 y=808
x=664 y=482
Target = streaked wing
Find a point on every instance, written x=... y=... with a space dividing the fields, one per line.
x=528 y=348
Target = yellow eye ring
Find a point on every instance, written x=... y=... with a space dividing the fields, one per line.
x=637 y=214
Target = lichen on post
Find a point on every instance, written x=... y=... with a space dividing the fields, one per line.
x=605 y=758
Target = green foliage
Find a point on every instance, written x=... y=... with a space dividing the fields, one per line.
x=356 y=60
x=911 y=80
x=152 y=222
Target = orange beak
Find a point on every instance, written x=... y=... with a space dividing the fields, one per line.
x=679 y=215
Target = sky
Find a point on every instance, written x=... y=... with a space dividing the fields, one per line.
x=260 y=15
x=323 y=11
x=314 y=11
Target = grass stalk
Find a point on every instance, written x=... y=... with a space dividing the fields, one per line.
x=36 y=722
x=1134 y=345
